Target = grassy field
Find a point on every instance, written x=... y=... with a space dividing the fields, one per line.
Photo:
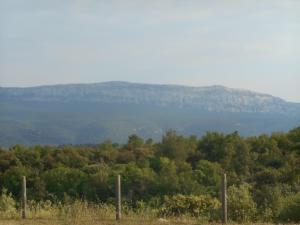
x=93 y=221
x=125 y=221
x=80 y=215
x=92 y=218
x=83 y=213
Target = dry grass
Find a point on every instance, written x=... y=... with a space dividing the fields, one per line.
x=93 y=221
x=80 y=213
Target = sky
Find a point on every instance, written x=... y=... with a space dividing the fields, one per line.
x=253 y=44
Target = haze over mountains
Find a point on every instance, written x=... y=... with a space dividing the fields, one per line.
x=91 y=113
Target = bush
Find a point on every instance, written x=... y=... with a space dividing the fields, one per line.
x=198 y=206
x=241 y=207
x=7 y=205
x=290 y=211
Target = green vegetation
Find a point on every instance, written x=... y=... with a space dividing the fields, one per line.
x=177 y=177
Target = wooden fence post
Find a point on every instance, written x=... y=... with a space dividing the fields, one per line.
x=118 y=197
x=24 y=197
x=224 y=199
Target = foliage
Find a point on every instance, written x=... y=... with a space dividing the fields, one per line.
x=198 y=206
x=241 y=206
x=290 y=211
x=208 y=176
x=7 y=205
x=64 y=180
x=263 y=173
x=176 y=147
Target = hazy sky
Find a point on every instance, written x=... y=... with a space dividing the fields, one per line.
x=242 y=44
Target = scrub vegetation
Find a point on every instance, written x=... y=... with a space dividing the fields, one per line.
x=174 y=181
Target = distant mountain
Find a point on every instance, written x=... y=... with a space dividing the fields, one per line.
x=213 y=98
x=90 y=113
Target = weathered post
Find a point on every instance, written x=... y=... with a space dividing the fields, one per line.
x=224 y=199
x=118 y=197
x=24 y=197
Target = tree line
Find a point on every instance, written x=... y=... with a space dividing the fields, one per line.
x=263 y=172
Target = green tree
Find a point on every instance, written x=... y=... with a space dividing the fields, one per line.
x=176 y=147
x=290 y=211
x=167 y=176
x=63 y=180
x=208 y=176
x=241 y=207
x=134 y=142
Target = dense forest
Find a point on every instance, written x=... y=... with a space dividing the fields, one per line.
x=263 y=173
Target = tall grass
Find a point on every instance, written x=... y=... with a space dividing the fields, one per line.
x=75 y=212
x=83 y=213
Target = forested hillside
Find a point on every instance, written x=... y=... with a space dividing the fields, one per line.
x=263 y=172
x=91 y=113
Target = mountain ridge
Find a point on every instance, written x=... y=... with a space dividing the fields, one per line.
x=91 y=113
x=211 y=98
x=217 y=86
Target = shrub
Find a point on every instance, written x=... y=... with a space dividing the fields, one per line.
x=241 y=207
x=198 y=206
x=290 y=211
x=7 y=205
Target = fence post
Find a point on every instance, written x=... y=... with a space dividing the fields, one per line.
x=118 y=197
x=24 y=197
x=224 y=199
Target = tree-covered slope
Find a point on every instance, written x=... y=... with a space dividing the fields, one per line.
x=91 y=113
x=177 y=175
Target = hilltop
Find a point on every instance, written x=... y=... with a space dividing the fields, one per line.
x=91 y=113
